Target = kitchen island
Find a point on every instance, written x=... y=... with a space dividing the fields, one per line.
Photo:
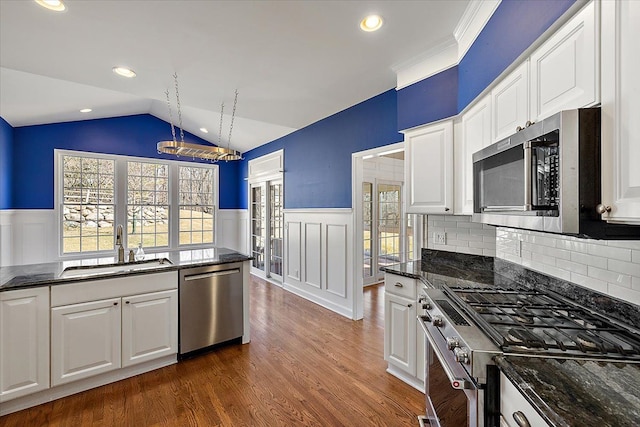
x=70 y=326
x=562 y=392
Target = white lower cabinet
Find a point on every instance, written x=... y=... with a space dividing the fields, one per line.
x=24 y=342
x=513 y=405
x=149 y=326
x=85 y=340
x=103 y=325
x=403 y=340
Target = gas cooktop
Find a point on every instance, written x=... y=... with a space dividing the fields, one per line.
x=525 y=321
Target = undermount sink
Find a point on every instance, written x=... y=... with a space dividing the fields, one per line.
x=92 y=270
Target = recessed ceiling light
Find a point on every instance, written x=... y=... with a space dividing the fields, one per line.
x=204 y=130
x=86 y=110
x=371 y=23
x=124 y=72
x=56 y=5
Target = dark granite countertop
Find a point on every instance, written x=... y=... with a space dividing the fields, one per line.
x=32 y=275
x=565 y=392
x=578 y=392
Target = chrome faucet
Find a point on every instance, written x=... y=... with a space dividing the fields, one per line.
x=119 y=244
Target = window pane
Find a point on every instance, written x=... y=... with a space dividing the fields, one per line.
x=87 y=204
x=196 y=196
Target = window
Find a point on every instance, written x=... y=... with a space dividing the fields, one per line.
x=147 y=204
x=197 y=210
x=164 y=204
x=87 y=204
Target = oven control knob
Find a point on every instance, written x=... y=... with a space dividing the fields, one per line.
x=426 y=306
x=452 y=343
x=437 y=321
x=461 y=355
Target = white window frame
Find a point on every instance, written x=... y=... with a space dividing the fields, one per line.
x=120 y=213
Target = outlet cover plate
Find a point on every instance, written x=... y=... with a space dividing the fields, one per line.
x=440 y=238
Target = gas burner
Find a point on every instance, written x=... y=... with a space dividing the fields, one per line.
x=590 y=343
x=524 y=338
x=523 y=316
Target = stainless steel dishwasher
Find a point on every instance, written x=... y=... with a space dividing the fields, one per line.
x=210 y=308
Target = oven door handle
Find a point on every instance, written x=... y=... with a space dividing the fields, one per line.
x=457 y=383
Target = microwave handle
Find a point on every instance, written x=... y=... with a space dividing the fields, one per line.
x=527 y=174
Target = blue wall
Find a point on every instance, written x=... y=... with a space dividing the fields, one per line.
x=317 y=158
x=6 y=170
x=513 y=27
x=33 y=156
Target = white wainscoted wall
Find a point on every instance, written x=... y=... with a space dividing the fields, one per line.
x=318 y=257
x=30 y=236
x=461 y=235
x=608 y=266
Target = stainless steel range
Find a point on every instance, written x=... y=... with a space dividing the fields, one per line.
x=467 y=326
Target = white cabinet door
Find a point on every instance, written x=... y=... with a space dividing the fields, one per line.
x=476 y=134
x=400 y=332
x=429 y=168
x=621 y=111
x=512 y=402
x=510 y=103
x=85 y=340
x=24 y=342
x=564 y=70
x=149 y=326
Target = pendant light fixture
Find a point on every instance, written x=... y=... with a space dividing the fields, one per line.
x=197 y=151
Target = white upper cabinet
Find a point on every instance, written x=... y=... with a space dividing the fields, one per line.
x=474 y=134
x=429 y=168
x=510 y=103
x=621 y=111
x=24 y=342
x=564 y=70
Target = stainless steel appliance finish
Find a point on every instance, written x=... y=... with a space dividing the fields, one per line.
x=211 y=309
x=461 y=382
x=546 y=177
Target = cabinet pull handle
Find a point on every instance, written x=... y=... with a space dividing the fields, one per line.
x=399 y=285
x=521 y=419
x=127 y=302
x=115 y=303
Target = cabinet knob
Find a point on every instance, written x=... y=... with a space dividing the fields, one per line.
x=127 y=302
x=115 y=303
x=409 y=305
x=521 y=419
x=602 y=209
x=519 y=128
x=529 y=123
x=446 y=209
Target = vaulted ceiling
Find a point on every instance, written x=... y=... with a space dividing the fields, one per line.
x=293 y=62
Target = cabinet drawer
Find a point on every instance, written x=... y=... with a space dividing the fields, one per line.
x=400 y=285
x=512 y=401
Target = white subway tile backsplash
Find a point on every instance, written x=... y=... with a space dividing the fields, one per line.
x=586 y=259
x=589 y=282
x=463 y=235
x=630 y=268
x=573 y=267
x=609 y=276
x=609 y=252
x=611 y=267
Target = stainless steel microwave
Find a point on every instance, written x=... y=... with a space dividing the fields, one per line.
x=546 y=177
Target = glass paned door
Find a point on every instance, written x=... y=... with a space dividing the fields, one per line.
x=267 y=228
x=258 y=231
x=389 y=223
x=275 y=229
x=369 y=247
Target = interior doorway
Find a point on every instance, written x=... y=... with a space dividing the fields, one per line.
x=267 y=228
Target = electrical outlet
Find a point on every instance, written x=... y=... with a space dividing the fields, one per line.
x=440 y=238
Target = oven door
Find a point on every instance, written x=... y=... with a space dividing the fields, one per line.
x=452 y=395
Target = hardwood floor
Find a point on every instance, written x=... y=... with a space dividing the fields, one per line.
x=305 y=366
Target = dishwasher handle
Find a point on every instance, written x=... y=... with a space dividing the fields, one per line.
x=211 y=274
